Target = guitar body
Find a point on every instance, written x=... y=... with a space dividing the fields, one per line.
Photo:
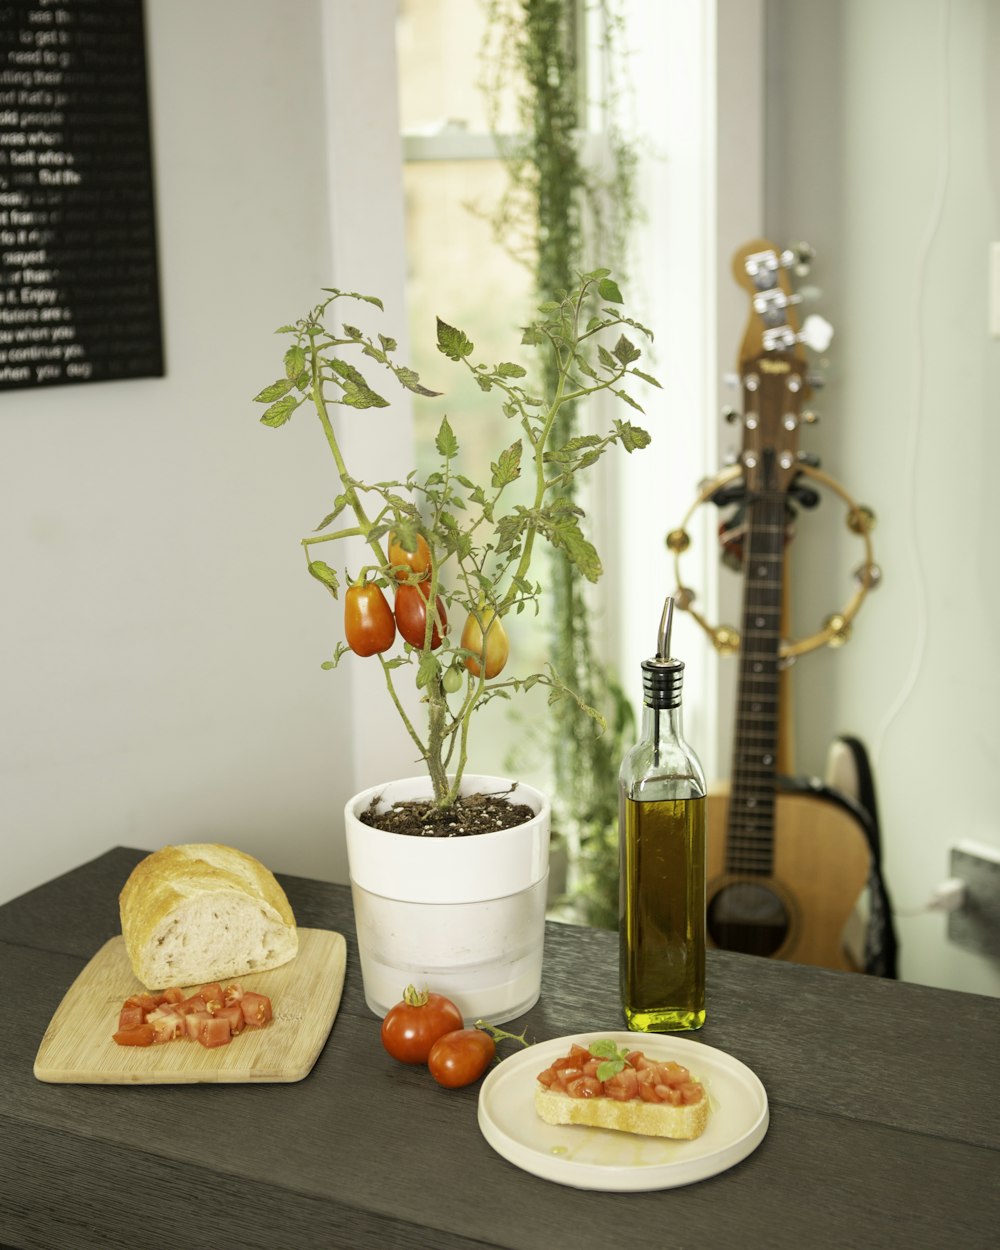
x=799 y=910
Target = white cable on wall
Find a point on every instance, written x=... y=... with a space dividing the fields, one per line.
x=916 y=428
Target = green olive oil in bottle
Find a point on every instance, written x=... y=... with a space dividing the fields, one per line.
x=662 y=850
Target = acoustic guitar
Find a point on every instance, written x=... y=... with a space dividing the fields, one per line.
x=785 y=869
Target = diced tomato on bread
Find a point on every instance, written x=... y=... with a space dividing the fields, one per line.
x=634 y=1093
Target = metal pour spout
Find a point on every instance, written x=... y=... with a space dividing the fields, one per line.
x=663 y=633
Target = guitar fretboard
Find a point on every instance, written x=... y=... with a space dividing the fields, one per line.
x=750 y=836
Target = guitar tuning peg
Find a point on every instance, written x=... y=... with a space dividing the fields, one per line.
x=816 y=383
x=799 y=258
x=731 y=380
x=817 y=332
x=730 y=415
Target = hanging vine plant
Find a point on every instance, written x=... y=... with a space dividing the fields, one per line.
x=556 y=211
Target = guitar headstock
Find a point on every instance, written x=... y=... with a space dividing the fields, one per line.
x=773 y=367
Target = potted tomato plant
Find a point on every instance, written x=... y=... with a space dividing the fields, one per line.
x=448 y=871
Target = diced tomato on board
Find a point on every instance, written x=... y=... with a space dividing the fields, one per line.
x=212 y=1015
x=256 y=1008
x=214 y=1031
x=142 y=1036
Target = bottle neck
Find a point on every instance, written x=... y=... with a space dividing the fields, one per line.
x=662 y=723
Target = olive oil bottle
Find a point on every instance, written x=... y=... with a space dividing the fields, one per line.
x=662 y=849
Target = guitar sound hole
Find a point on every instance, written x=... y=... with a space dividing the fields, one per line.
x=749 y=918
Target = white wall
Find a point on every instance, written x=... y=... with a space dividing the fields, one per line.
x=160 y=641
x=890 y=165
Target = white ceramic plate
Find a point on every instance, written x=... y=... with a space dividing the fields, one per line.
x=595 y=1158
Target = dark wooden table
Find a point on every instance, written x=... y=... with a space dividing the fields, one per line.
x=885 y=1118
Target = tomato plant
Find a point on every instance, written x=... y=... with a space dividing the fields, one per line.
x=497 y=644
x=417 y=523
x=412 y=1026
x=411 y=616
x=461 y=1057
x=368 y=621
x=408 y=562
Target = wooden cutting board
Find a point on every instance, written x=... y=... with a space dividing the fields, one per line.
x=305 y=993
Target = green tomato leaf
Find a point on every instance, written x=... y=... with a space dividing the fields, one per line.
x=567 y=537
x=633 y=437
x=508 y=468
x=339 y=504
x=275 y=391
x=428 y=670
x=411 y=380
x=451 y=342
x=405 y=533
x=626 y=351
x=630 y=401
x=508 y=370
x=323 y=573
x=295 y=361
x=446 y=442
x=607 y=288
x=647 y=377
x=280 y=412
x=357 y=392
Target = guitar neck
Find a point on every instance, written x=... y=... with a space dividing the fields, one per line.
x=750 y=837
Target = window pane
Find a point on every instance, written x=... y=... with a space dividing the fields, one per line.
x=440 y=67
x=458 y=272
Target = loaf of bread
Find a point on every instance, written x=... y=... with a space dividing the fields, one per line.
x=202 y=912
x=651 y=1119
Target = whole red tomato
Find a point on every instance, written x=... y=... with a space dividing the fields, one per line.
x=368 y=622
x=411 y=616
x=461 y=1057
x=411 y=1028
x=407 y=562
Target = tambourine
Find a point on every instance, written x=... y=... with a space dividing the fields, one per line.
x=836 y=629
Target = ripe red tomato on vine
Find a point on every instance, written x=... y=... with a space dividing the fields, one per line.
x=411 y=615
x=369 y=626
x=405 y=562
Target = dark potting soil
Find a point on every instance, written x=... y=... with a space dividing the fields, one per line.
x=469 y=814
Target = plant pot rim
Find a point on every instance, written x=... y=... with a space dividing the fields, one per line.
x=447 y=870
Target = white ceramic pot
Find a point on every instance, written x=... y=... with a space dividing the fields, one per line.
x=462 y=916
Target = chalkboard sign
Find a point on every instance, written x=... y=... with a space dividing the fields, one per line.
x=79 y=286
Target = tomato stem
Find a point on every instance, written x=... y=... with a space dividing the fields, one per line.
x=499 y=1035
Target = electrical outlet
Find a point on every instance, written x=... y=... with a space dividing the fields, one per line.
x=976 y=924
